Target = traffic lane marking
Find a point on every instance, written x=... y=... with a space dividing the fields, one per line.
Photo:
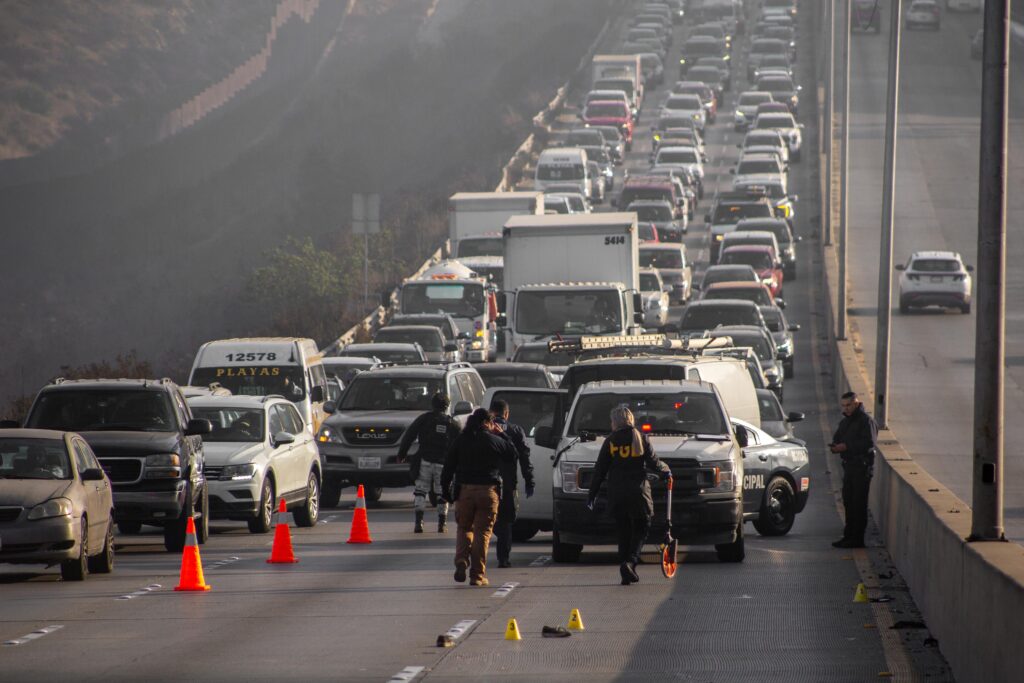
x=505 y=589
x=409 y=673
x=142 y=591
x=35 y=635
x=541 y=561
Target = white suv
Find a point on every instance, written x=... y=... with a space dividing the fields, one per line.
x=259 y=452
x=935 y=278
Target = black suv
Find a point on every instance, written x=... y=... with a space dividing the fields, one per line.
x=147 y=442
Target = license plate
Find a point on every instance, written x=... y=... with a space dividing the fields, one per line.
x=369 y=463
x=936 y=278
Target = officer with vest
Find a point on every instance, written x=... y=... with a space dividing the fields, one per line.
x=435 y=431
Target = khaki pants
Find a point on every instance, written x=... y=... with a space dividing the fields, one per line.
x=475 y=512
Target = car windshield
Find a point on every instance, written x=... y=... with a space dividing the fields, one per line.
x=677 y=156
x=568 y=312
x=373 y=392
x=773 y=190
x=683 y=102
x=22 y=458
x=762 y=347
x=757 y=166
x=704 y=74
x=646 y=232
x=81 y=410
x=774 y=121
x=561 y=172
x=702 y=48
x=610 y=134
x=599 y=154
x=481 y=246
x=651 y=212
x=460 y=300
x=726 y=214
x=772 y=318
x=775 y=85
x=710 y=317
x=232 y=424
x=428 y=339
x=767 y=138
x=399 y=356
x=675 y=413
x=729 y=274
x=256 y=380
x=660 y=258
x=756 y=294
x=649 y=283
x=769 y=406
x=934 y=265
x=528 y=409
x=751 y=99
x=584 y=137
x=444 y=324
x=760 y=260
x=500 y=377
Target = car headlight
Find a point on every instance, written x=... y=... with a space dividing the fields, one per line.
x=786 y=347
x=55 y=507
x=570 y=472
x=719 y=238
x=722 y=478
x=740 y=116
x=476 y=345
x=328 y=435
x=238 y=472
x=163 y=466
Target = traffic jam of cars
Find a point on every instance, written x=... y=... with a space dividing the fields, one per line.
x=668 y=300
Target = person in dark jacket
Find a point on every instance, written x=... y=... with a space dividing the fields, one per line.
x=435 y=431
x=474 y=463
x=509 y=507
x=854 y=442
x=625 y=458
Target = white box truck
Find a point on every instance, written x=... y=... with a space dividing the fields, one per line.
x=606 y=67
x=570 y=275
x=475 y=219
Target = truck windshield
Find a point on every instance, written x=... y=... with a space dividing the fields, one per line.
x=676 y=413
x=232 y=425
x=256 y=380
x=568 y=312
x=100 y=410
x=728 y=214
x=658 y=213
x=480 y=246
x=709 y=317
x=606 y=110
x=460 y=300
x=369 y=392
x=681 y=156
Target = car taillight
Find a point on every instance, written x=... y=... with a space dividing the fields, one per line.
x=959 y=278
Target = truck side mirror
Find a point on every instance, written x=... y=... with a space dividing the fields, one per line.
x=385 y=298
x=316 y=395
x=638 y=301
x=587 y=437
x=501 y=321
x=462 y=408
x=795 y=417
x=330 y=407
x=901 y=266
x=794 y=327
x=197 y=427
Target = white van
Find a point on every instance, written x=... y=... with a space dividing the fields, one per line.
x=260 y=366
x=563 y=166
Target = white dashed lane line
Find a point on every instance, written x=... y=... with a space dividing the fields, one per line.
x=407 y=674
x=142 y=591
x=221 y=563
x=35 y=635
x=541 y=561
x=504 y=590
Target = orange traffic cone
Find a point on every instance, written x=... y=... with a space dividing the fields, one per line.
x=360 y=525
x=191 y=566
x=282 y=552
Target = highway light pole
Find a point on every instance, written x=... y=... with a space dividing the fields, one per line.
x=844 y=175
x=990 y=329
x=830 y=68
x=892 y=103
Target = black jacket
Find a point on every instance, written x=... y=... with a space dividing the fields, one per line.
x=476 y=459
x=509 y=472
x=860 y=434
x=435 y=433
x=628 y=489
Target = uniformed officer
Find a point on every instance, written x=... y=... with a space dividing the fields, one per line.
x=854 y=441
x=625 y=458
x=435 y=431
x=509 y=507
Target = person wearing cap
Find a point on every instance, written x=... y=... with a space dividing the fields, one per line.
x=625 y=458
x=509 y=507
x=474 y=464
x=435 y=431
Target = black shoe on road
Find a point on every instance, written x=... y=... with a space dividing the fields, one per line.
x=628 y=574
x=460 y=574
x=504 y=564
x=839 y=544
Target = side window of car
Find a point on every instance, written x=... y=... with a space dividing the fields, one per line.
x=293 y=421
x=454 y=391
x=277 y=420
x=82 y=459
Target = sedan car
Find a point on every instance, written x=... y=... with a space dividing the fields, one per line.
x=935 y=278
x=746 y=107
x=786 y=126
x=782 y=332
x=399 y=354
x=429 y=338
x=761 y=341
x=56 y=505
x=662 y=215
x=655 y=295
x=671 y=262
x=713 y=274
x=782 y=89
x=923 y=14
x=763 y=260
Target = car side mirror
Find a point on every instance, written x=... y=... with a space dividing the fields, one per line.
x=501 y=320
x=91 y=474
x=741 y=436
x=695 y=287
x=587 y=437
x=462 y=408
x=795 y=417
x=196 y=427
x=667 y=288
x=283 y=439
x=901 y=266
x=451 y=346
x=316 y=395
x=781 y=303
x=970 y=269
x=544 y=436
x=330 y=407
x=794 y=327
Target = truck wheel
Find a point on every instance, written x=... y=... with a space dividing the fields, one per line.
x=330 y=496
x=203 y=528
x=104 y=562
x=732 y=552
x=260 y=524
x=77 y=569
x=564 y=552
x=373 y=493
x=306 y=515
x=129 y=527
x=778 y=509
x=523 y=531
x=174 y=530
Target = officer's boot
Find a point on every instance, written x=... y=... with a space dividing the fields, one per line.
x=442 y=523
x=419 y=522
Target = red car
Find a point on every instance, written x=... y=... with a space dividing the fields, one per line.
x=610 y=113
x=763 y=259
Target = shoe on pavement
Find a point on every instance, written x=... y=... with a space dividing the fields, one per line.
x=628 y=575
x=479 y=582
x=460 y=574
x=555 y=632
x=839 y=544
x=504 y=564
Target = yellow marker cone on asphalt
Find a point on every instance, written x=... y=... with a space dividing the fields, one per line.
x=512 y=631
x=575 y=620
x=861 y=595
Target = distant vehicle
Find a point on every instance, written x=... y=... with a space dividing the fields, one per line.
x=923 y=13
x=610 y=113
x=590 y=136
x=783 y=236
x=782 y=332
x=718 y=273
x=606 y=166
x=866 y=16
x=685 y=105
x=614 y=141
x=646 y=232
x=760 y=340
x=700 y=316
x=557 y=203
x=782 y=89
x=701 y=46
x=777 y=64
x=259 y=453
x=964 y=5
x=935 y=278
x=656 y=299
x=776 y=422
x=760 y=48
x=670 y=260
x=55 y=503
x=559 y=165
x=449 y=328
x=538 y=352
x=577 y=202
x=786 y=126
x=397 y=353
x=709 y=75
x=662 y=215
x=429 y=338
x=746 y=107
x=757 y=292
x=763 y=260
x=516 y=375
x=688 y=158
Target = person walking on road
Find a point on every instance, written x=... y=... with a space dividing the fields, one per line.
x=509 y=507
x=436 y=431
x=625 y=458
x=854 y=442
x=473 y=463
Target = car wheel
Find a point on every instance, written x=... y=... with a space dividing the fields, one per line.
x=564 y=552
x=732 y=552
x=307 y=514
x=330 y=494
x=104 y=562
x=77 y=569
x=174 y=530
x=203 y=528
x=260 y=524
x=965 y=309
x=778 y=510
x=523 y=530
x=373 y=493
x=129 y=527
